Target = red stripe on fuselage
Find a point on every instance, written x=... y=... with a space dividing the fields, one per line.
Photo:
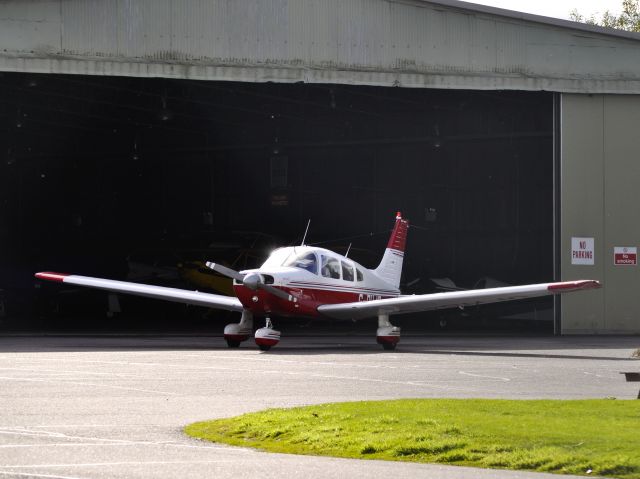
x=340 y=287
x=308 y=300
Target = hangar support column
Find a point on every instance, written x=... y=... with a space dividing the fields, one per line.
x=600 y=177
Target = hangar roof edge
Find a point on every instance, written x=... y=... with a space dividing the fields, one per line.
x=528 y=17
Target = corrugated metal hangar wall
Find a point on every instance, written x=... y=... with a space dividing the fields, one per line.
x=600 y=174
x=442 y=44
x=408 y=43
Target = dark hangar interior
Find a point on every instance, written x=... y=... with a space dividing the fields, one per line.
x=104 y=175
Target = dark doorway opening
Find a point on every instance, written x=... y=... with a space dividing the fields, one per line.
x=103 y=175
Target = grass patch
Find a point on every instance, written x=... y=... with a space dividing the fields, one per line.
x=568 y=437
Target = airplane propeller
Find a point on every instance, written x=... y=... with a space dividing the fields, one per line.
x=224 y=271
x=252 y=281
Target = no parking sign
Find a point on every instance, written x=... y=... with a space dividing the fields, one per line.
x=582 y=251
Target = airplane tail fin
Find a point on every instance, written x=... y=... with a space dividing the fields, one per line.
x=390 y=268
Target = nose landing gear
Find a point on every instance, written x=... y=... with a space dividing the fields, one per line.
x=267 y=337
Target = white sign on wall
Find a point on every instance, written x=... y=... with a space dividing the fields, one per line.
x=582 y=251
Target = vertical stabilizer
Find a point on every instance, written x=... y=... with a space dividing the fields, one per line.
x=390 y=268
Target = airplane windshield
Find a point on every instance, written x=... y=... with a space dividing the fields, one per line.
x=305 y=261
x=276 y=258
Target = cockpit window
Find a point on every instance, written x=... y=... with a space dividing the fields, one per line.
x=330 y=267
x=347 y=271
x=359 y=275
x=305 y=261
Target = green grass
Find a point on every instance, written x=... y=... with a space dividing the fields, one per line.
x=569 y=437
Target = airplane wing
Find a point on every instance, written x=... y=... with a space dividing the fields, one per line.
x=158 y=292
x=429 y=302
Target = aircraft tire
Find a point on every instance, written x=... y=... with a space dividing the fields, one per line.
x=389 y=346
x=233 y=344
x=264 y=347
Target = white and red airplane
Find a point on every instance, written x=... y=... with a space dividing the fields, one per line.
x=310 y=282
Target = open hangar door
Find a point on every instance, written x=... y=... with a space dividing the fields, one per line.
x=143 y=178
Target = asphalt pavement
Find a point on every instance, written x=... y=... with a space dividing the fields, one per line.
x=113 y=406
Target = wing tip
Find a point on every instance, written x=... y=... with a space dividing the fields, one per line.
x=50 y=276
x=579 y=285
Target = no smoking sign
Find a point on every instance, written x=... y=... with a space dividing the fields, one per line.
x=625 y=255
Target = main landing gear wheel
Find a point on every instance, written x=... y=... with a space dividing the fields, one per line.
x=235 y=333
x=264 y=347
x=387 y=335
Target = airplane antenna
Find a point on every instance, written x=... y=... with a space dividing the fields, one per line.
x=305 y=232
x=348 y=249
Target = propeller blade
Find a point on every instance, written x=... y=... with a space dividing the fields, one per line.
x=277 y=292
x=224 y=271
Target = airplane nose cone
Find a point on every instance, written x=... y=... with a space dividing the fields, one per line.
x=251 y=281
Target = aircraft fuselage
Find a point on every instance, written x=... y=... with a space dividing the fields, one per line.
x=314 y=277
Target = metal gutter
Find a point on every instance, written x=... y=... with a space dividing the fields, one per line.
x=526 y=17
